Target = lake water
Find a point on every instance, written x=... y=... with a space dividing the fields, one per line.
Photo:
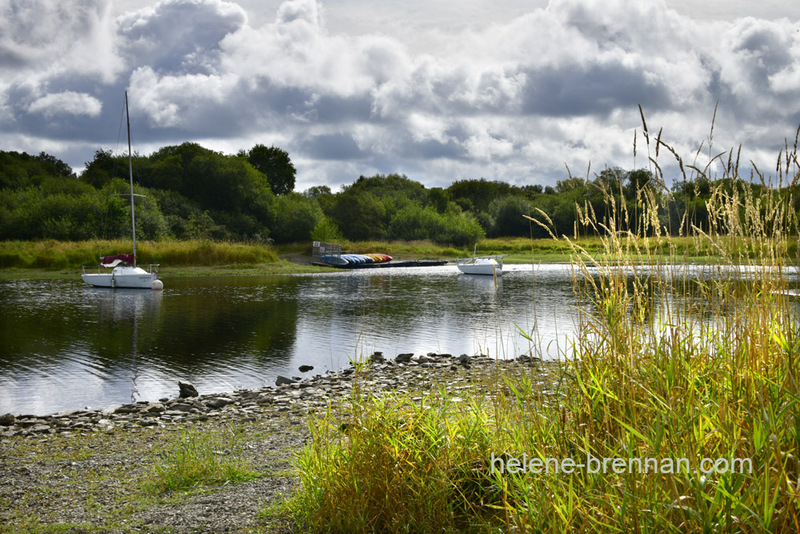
x=65 y=345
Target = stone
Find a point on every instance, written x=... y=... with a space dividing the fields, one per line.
x=377 y=357
x=306 y=368
x=187 y=390
x=283 y=381
x=180 y=407
x=7 y=419
x=154 y=408
x=219 y=402
x=404 y=358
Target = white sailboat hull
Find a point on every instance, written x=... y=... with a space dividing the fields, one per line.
x=480 y=266
x=123 y=277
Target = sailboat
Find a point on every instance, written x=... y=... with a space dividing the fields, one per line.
x=124 y=271
x=484 y=265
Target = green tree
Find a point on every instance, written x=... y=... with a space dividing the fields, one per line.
x=276 y=165
x=55 y=165
x=326 y=230
x=99 y=171
x=317 y=191
x=296 y=217
x=439 y=199
x=479 y=193
x=508 y=213
x=359 y=214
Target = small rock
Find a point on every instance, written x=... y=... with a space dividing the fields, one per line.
x=377 y=357
x=219 y=402
x=404 y=358
x=283 y=381
x=306 y=368
x=7 y=419
x=187 y=390
x=155 y=408
x=179 y=407
x=105 y=424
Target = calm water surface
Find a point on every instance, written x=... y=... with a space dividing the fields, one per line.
x=65 y=345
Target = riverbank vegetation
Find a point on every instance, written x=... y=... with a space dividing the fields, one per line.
x=677 y=409
x=47 y=257
x=188 y=192
x=71 y=255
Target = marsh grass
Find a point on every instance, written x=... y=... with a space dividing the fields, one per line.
x=684 y=374
x=74 y=254
x=199 y=458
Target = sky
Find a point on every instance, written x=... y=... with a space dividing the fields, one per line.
x=523 y=91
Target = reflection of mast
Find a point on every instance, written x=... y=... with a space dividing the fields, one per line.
x=125 y=308
x=135 y=356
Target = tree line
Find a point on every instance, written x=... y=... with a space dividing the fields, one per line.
x=188 y=191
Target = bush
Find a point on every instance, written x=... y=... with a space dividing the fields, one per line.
x=415 y=223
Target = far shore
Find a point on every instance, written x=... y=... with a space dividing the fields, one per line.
x=52 y=259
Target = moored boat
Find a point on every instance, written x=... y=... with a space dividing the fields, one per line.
x=482 y=265
x=124 y=271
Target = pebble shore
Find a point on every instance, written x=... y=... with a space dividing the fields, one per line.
x=406 y=373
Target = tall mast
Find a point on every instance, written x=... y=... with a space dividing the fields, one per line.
x=130 y=175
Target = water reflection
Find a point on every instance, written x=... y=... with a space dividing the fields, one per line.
x=118 y=313
x=64 y=345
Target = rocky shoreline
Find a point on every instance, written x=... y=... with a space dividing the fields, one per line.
x=83 y=471
x=405 y=373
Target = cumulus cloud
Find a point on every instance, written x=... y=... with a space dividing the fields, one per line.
x=178 y=36
x=66 y=103
x=76 y=38
x=512 y=100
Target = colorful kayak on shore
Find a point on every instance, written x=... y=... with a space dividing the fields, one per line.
x=355 y=259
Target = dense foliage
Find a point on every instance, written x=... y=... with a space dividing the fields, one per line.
x=191 y=192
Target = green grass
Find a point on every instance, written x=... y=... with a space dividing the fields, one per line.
x=63 y=255
x=682 y=401
x=200 y=458
x=44 y=258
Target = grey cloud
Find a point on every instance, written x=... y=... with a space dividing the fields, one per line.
x=178 y=36
x=591 y=90
x=337 y=146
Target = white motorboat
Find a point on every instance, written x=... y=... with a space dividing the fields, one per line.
x=124 y=271
x=483 y=265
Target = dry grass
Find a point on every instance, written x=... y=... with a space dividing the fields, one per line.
x=679 y=413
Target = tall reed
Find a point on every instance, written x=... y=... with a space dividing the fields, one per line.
x=677 y=409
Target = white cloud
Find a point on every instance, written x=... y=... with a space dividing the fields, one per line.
x=511 y=94
x=66 y=103
x=39 y=37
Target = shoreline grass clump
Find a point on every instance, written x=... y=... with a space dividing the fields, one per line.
x=200 y=458
x=676 y=410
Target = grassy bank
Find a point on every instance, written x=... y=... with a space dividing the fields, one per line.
x=71 y=255
x=186 y=258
